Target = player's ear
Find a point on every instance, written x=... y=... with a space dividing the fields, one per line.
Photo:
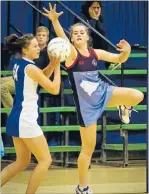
x=24 y=50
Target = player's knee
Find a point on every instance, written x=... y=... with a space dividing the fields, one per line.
x=137 y=96
x=140 y=96
x=23 y=163
x=46 y=161
x=89 y=148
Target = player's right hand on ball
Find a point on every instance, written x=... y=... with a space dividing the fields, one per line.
x=54 y=59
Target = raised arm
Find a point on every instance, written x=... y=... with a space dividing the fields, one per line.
x=39 y=76
x=48 y=70
x=52 y=15
x=123 y=47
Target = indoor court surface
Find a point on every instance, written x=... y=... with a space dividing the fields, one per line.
x=102 y=179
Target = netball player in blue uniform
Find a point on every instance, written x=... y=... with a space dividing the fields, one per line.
x=91 y=93
x=22 y=123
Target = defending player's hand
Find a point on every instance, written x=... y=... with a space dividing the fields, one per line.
x=123 y=46
x=51 y=14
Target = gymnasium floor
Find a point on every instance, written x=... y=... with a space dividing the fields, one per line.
x=102 y=179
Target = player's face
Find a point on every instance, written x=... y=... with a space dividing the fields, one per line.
x=79 y=36
x=33 y=50
x=42 y=38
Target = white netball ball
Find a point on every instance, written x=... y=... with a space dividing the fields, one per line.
x=59 y=47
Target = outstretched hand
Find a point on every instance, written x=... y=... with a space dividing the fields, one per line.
x=123 y=46
x=51 y=14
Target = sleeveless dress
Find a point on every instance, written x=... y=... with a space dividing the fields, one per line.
x=91 y=92
x=23 y=119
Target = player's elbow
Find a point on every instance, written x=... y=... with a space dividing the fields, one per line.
x=56 y=90
x=122 y=60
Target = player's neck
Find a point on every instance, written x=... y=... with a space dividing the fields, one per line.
x=83 y=50
x=27 y=57
x=82 y=47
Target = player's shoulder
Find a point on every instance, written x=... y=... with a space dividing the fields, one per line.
x=32 y=70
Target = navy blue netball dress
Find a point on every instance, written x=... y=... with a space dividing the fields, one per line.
x=90 y=92
x=23 y=119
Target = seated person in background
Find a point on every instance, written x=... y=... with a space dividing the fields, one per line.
x=7 y=90
x=48 y=100
x=7 y=83
x=42 y=36
x=92 y=14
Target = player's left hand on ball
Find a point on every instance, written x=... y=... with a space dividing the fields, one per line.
x=123 y=46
